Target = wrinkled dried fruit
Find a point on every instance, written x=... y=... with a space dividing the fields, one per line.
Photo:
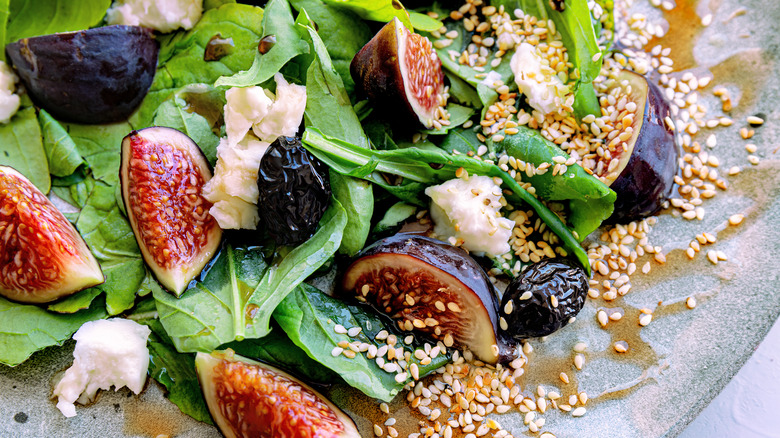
x=162 y=174
x=97 y=75
x=544 y=298
x=401 y=75
x=42 y=256
x=647 y=161
x=432 y=288
x=251 y=399
x=294 y=191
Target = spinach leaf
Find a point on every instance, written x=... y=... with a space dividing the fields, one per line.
x=180 y=61
x=21 y=147
x=172 y=113
x=27 y=328
x=590 y=201
x=394 y=217
x=277 y=21
x=308 y=316
x=100 y=145
x=375 y=10
x=61 y=151
x=234 y=299
x=79 y=301
x=458 y=116
x=30 y=18
x=329 y=109
x=414 y=164
x=424 y=22
x=463 y=141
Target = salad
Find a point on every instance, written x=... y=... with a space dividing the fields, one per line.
x=242 y=201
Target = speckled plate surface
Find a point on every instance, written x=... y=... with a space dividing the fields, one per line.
x=674 y=367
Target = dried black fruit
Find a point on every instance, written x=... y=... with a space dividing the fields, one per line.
x=294 y=191
x=557 y=289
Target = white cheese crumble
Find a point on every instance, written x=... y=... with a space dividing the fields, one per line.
x=109 y=352
x=540 y=84
x=254 y=117
x=469 y=211
x=9 y=102
x=163 y=15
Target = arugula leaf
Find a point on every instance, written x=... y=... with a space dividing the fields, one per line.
x=234 y=298
x=172 y=114
x=308 y=316
x=25 y=329
x=30 y=18
x=180 y=61
x=415 y=164
x=109 y=236
x=590 y=201
x=375 y=10
x=21 y=147
x=329 y=109
x=61 y=151
x=277 y=21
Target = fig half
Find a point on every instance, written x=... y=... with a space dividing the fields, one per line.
x=432 y=288
x=401 y=75
x=644 y=176
x=42 y=256
x=97 y=75
x=252 y=399
x=162 y=175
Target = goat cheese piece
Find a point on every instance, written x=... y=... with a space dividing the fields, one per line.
x=9 y=102
x=163 y=15
x=539 y=83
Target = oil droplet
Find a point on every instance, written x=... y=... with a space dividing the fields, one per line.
x=266 y=44
x=217 y=48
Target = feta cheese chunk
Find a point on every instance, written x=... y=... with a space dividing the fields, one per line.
x=540 y=84
x=109 y=352
x=254 y=117
x=9 y=102
x=469 y=210
x=163 y=15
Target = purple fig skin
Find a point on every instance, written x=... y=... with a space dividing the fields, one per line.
x=90 y=76
x=443 y=261
x=648 y=179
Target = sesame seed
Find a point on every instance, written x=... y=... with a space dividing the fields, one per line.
x=378 y=430
x=621 y=346
x=645 y=319
x=384 y=407
x=579 y=412
x=350 y=354
x=736 y=219
x=354 y=331
x=340 y=329
x=579 y=361
x=690 y=302
x=526 y=296
x=336 y=351
x=508 y=307
x=712 y=256
x=564 y=377
x=755 y=120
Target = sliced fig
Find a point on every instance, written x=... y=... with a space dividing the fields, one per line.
x=97 y=75
x=42 y=256
x=644 y=176
x=252 y=399
x=401 y=75
x=162 y=175
x=434 y=289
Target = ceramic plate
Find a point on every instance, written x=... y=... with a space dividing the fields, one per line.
x=674 y=366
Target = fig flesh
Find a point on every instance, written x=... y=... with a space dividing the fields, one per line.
x=401 y=75
x=434 y=289
x=162 y=175
x=252 y=399
x=644 y=176
x=42 y=256
x=97 y=75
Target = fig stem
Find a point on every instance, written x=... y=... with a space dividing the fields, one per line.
x=414 y=164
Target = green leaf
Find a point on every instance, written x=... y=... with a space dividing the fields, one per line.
x=458 y=115
x=234 y=299
x=463 y=141
x=375 y=10
x=329 y=109
x=394 y=217
x=21 y=147
x=25 y=329
x=61 y=152
x=213 y=4
x=4 y=13
x=172 y=113
x=180 y=61
x=308 y=316
x=109 y=236
x=100 y=145
x=432 y=166
x=277 y=21
x=78 y=301
x=42 y=17
x=424 y=22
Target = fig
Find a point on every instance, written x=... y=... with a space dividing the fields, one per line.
x=97 y=75
x=162 y=175
x=252 y=399
x=432 y=288
x=294 y=191
x=544 y=298
x=644 y=176
x=42 y=256
x=400 y=74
